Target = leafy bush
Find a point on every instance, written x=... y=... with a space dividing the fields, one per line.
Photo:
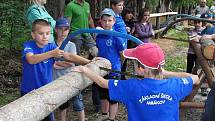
x=13 y=30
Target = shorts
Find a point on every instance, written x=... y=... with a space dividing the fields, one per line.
x=85 y=41
x=104 y=93
x=77 y=102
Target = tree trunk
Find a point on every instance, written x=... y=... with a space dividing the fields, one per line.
x=39 y=103
x=55 y=8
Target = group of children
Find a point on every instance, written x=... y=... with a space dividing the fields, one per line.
x=43 y=62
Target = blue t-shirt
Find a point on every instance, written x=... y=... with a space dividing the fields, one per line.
x=208 y=31
x=120 y=26
x=150 y=99
x=36 y=75
x=109 y=47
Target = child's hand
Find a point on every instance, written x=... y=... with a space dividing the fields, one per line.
x=97 y=58
x=57 y=53
x=66 y=55
x=128 y=29
x=205 y=37
x=79 y=69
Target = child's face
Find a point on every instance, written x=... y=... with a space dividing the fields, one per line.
x=197 y=24
x=146 y=16
x=107 y=22
x=118 y=7
x=41 y=35
x=43 y=2
x=62 y=33
x=129 y=16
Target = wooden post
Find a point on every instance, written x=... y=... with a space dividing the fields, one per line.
x=203 y=63
x=39 y=103
x=157 y=20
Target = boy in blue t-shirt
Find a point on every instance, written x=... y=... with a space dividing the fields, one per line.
x=119 y=26
x=152 y=98
x=38 y=58
x=109 y=47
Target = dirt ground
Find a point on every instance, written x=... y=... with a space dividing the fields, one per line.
x=10 y=74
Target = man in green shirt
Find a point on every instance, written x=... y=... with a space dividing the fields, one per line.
x=78 y=11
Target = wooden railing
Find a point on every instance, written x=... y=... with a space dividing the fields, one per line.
x=157 y=21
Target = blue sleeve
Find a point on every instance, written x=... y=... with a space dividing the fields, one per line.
x=117 y=90
x=27 y=49
x=120 y=44
x=184 y=87
x=52 y=46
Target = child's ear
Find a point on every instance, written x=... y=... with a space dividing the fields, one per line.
x=33 y=35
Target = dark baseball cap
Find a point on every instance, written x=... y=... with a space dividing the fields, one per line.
x=62 y=22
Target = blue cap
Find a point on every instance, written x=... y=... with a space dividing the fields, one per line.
x=62 y=22
x=107 y=11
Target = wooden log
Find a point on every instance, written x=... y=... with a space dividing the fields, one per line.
x=208 y=49
x=39 y=103
x=189 y=105
x=203 y=62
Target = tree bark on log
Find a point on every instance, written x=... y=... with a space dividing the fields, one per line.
x=203 y=62
x=39 y=103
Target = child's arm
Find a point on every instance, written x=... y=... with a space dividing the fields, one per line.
x=37 y=58
x=75 y=58
x=167 y=74
x=205 y=37
x=141 y=33
x=62 y=64
x=151 y=32
x=94 y=77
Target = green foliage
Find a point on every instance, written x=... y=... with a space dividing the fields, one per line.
x=177 y=34
x=12 y=30
x=175 y=63
x=5 y=99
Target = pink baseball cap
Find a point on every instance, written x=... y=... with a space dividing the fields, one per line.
x=148 y=54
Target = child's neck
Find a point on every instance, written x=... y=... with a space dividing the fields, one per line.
x=59 y=42
x=144 y=21
x=39 y=45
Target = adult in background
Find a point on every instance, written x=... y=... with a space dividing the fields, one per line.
x=212 y=10
x=38 y=11
x=78 y=12
x=201 y=8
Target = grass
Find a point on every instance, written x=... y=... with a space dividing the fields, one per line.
x=177 y=34
x=177 y=60
x=175 y=63
x=5 y=99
